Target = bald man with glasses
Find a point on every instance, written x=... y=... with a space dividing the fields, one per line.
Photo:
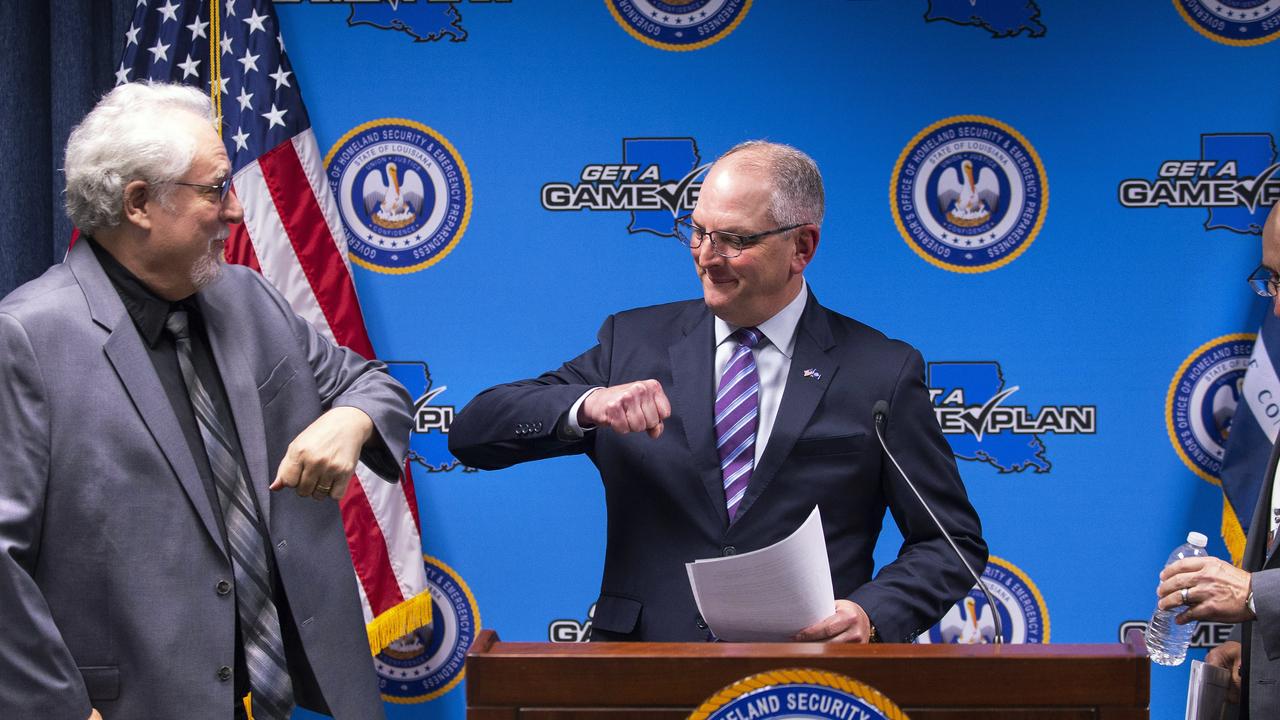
x=718 y=424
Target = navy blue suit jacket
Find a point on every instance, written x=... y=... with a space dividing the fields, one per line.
x=665 y=501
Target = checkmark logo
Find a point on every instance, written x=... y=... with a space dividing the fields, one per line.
x=1250 y=190
x=671 y=194
x=977 y=417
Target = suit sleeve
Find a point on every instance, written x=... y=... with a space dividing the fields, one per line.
x=520 y=421
x=1266 y=598
x=38 y=676
x=913 y=592
x=345 y=379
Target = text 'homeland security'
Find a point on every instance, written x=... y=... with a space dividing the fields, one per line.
x=798 y=702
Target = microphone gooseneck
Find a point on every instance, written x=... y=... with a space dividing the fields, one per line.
x=879 y=410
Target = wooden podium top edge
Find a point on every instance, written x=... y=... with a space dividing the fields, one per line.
x=488 y=643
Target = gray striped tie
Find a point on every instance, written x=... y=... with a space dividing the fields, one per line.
x=259 y=621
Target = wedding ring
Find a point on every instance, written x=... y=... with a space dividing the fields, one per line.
x=1185 y=592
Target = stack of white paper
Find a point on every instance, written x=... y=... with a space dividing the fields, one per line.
x=770 y=594
x=1207 y=691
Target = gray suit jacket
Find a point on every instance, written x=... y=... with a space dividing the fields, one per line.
x=110 y=553
x=1261 y=637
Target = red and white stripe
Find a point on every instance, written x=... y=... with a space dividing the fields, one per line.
x=292 y=234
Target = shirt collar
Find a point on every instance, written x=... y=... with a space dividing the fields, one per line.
x=147 y=310
x=780 y=329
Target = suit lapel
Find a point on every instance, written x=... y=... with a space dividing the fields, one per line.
x=800 y=397
x=692 y=400
x=242 y=394
x=128 y=356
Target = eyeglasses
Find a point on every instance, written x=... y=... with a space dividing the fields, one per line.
x=724 y=244
x=222 y=189
x=1264 y=281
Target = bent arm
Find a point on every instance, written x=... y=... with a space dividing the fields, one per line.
x=521 y=421
x=38 y=675
x=914 y=591
x=345 y=379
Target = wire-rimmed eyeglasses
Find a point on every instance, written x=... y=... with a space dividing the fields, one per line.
x=1264 y=281
x=222 y=189
x=724 y=244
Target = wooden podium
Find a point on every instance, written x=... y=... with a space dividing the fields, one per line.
x=575 y=681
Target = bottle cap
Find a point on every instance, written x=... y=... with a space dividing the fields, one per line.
x=1197 y=539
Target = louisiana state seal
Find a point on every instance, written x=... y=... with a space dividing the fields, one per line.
x=678 y=24
x=1202 y=400
x=968 y=194
x=403 y=192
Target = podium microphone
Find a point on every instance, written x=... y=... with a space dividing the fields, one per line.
x=880 y=410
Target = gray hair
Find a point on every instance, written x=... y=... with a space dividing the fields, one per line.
x=797 y=195
x=129 y=135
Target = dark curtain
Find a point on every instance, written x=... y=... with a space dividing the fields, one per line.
x=57 y=57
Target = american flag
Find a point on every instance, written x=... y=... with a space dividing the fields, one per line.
x=1253 y=433
x=293 y=235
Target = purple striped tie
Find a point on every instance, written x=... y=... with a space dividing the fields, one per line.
x=737 y=416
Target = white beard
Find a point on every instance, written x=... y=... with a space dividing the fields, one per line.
x=209 y=267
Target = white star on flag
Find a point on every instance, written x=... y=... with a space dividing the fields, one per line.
x=169 y=11
x=281 y=76
x=122 y=75
x=250 y=62
x=276 y=117
x=231 y=8
x=197 y=29
x=246 y=99
x=255 y=21
x=160 y=50
x=190 y=68
x=240 y=137
x=225 y=44
x=131 y=35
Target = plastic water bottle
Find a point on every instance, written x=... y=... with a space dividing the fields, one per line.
x=1167 y=641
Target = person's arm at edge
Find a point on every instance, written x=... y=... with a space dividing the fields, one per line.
x=38 y=675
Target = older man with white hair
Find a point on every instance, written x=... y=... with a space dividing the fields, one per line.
x=151 y=399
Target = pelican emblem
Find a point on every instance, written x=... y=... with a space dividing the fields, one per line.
x=964 y=625
x=393 y=203
x=966 y=201
x=1224 y=403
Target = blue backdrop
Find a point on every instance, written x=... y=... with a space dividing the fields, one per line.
x=1090 y=312
x=1092 y=303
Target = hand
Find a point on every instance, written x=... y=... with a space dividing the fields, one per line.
x=1227 y=655
x=94 y=715
x=632 y=407
x=849 y=624
x=319 y=462
x=1216 y=590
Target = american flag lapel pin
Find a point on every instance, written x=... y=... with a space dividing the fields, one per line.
x=813 y=374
